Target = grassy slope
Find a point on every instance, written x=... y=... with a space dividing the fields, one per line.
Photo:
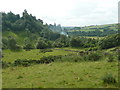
x=60 y=75
x=20 y=36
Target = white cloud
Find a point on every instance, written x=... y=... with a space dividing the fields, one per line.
x=66 y=12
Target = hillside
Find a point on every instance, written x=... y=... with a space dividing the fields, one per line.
x=25 y=28
x=93 y=30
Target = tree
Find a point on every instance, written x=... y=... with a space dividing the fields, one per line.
x=76 y=42
x=110 y=41
x=28 y=46
x=12 y=44
x=41 y=44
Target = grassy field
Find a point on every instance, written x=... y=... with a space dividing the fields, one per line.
x=33 y=54
x=60 y=75
x=84 y=74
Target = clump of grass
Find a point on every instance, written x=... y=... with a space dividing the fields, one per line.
x=109 y=79
x=70 y=58
x=19 y=77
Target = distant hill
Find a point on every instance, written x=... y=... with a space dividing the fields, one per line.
x=93 y=30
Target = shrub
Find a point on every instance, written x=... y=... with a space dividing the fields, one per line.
x=119 y=57
x=109 y=79
x=70 y=58
x=110 y=58
x=19 y=62
x=49 y=59
x=93 y=57
x=28 y=47
x=5 y=64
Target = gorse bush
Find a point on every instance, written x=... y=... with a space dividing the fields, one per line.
x=109 y=79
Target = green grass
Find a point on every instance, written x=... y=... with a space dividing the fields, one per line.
x=60 y=75
x=10 y=56
x=84 y=74
x=71 y=48
x=19 y=36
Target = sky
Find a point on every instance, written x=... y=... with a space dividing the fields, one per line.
x=66 y=12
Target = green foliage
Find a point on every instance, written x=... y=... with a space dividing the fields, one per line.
x=110 y=58
x=92 y=31
x=119 y=57
x=110 y=41
x=109 y=79
x=70 y=58
x=93 y=49
x=26 y=26
x=12 y=44
x=5 y=64
x=4 y=43
x=41 y=44
x=28 y=46
x=49 y=59
x=76 y=42
x=63 y=41
x=93 y=56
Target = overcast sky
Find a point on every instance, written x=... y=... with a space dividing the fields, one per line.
x=66 y=12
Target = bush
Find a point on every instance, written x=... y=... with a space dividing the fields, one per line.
x=5 y=64
x=109 y=79
x=49 y=59
x=93 y=57
x=44 y=59
x=13 y=45
x=110 y=58
x=119 y=57
x=28 y=47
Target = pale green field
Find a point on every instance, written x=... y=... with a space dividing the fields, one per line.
x=60 y=75
x=33 y=54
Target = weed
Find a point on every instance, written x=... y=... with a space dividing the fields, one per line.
x=109 y=79
x=19 y=77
